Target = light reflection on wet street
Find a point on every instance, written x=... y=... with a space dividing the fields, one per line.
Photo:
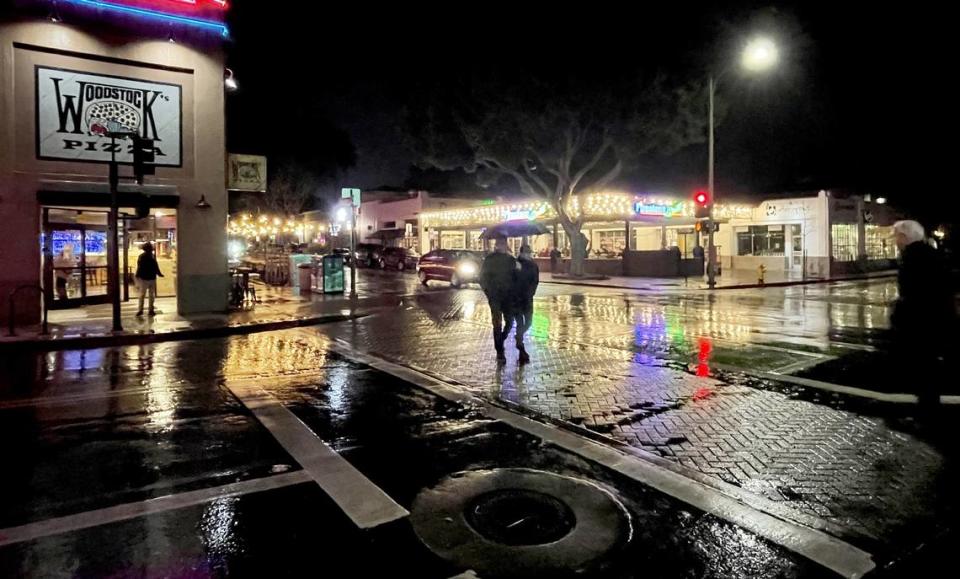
x=98 y=428
x=658 y=371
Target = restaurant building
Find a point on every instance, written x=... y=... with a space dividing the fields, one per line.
x=72 y=72
x=816 y=234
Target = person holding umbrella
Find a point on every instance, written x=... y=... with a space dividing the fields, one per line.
x=525 y=284
x=497 y=280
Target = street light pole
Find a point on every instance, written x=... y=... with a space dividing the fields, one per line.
x=711 y=248
x=353 y=252
x=758 y=55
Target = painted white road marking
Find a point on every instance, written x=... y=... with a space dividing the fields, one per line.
x=126 y=511
x=898 y=398
x=363 y=501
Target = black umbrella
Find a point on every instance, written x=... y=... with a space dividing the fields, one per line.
x=515 y=229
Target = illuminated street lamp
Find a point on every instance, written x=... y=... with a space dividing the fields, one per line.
x=759 y=54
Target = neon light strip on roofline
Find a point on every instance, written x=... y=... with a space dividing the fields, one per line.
x=200 y=23
x=221 y=3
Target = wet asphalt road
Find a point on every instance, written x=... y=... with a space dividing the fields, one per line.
x=99 y=428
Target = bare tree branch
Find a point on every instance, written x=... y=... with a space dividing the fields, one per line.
x=558 y=141
x=538 y=180
x=609 y=176
x=607 y=143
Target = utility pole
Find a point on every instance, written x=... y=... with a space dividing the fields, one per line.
x=113 y=247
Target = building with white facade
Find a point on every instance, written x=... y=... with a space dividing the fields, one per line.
x=814 y=235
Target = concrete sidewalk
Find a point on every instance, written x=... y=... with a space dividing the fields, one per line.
x=279 y=308
x=730 y=279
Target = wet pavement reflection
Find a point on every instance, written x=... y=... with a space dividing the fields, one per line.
x=129 y=424
x=658 y=372
x=97 y=428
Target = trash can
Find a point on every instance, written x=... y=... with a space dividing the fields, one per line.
x=304 y=270
x=296 y=260
x=333 y=280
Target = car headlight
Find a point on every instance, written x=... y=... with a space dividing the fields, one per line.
x=467 y=268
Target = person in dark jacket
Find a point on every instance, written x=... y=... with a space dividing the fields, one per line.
x=525 y=284
x=924 y=315
x=496 y=279
x=555 y=257
x=147 y=271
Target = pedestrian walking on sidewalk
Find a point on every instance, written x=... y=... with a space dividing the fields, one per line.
x=497 y=280
x=924 y=315
x=555 y=256
x=525 y=285
x=147 y=271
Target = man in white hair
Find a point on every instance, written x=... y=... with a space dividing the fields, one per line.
x=924 y=315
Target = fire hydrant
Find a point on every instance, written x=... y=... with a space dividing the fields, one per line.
x=761 y=272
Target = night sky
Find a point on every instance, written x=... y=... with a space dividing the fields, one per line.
x=859 y=101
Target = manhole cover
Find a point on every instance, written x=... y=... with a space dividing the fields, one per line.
x=520 y=517
x=517 y=522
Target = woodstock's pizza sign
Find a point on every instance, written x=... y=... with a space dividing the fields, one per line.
x=77 y=112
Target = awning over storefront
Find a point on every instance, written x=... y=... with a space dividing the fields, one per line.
x=97 y=194
x=642 y=210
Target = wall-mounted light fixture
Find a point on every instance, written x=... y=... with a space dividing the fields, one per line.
x=229 y=81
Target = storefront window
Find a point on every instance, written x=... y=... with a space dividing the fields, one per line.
x=880 y=242
x=762 y=240
x=647 y=238
x=541 y=245
x=476 y=244
x=843 y=241
x=672 y=237
x=410 y=239
x=452 y=240
x=609 y=243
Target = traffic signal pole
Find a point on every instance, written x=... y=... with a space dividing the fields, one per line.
x=142 y=156
x=711 y=248
x=113 y=245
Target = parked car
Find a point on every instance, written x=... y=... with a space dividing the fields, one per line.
x=399 y=258
x=456 y=266
x=368 y=254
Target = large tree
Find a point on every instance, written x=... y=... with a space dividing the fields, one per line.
x=556 y=138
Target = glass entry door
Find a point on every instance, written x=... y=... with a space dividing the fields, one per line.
x=75 y=265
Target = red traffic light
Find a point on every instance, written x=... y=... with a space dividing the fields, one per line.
x=701 y=200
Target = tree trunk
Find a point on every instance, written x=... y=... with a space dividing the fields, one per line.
x=578 y=246
x=578 y=253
